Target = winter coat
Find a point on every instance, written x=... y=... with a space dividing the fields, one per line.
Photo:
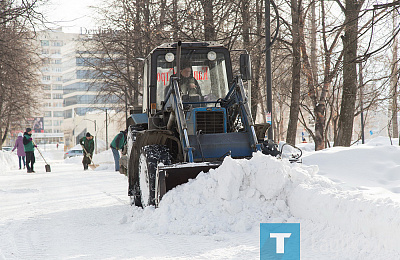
x=184 y=84
x=88 y=144
x=119 y=141
x=28 y=144
x=19 y=145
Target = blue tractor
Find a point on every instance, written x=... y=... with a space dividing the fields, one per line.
x=195 y=112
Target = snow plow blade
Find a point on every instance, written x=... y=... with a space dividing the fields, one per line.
x=170 y=176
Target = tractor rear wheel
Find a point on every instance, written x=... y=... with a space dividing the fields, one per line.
x=150 y=157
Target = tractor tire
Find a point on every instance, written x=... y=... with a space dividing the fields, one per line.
x=150 y=157
x=133 y=178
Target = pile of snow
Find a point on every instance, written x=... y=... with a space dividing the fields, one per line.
x=374 y=167
x=236 y=197
x=105 y=160
x=101 y=145
x=241 y=194
x=8 y=161
x=50 y=152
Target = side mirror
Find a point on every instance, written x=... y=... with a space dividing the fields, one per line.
x=245 y=67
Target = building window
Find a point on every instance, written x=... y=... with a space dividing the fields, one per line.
x=47 y=95
x=47 y=113
x=46 y=87
x=58 y=104
x=58 y=114
x=57 y=87
x=44 y=43
x=57 y=61
x=45 y=51
x=68 y=113
x=57 y=96
x=59 y=78
x=46 y=78
x=56 y=43
x=57 y=69
x=47 y=122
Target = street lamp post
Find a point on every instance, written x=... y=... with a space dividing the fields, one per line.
x=268 y=70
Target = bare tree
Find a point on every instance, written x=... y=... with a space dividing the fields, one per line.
x=296 y=10
x=18 y=65
x=351 y=10
x=394 y=79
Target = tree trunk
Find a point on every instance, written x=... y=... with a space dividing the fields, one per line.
x=314 y=41
x=347 y=109
x=296 y=68
x=319 y=105
x=175 y=19
x=208 y=22
x=320 y=108
x=393 y=81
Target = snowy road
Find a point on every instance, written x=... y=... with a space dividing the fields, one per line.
x=73 y=214
x=69 y=213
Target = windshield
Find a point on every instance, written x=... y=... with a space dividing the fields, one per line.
x=200 y=76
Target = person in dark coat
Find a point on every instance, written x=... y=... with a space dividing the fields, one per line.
x=118 y=144
x=29 y=148
x=19 y=145
x=88 y=145
x=188 y=85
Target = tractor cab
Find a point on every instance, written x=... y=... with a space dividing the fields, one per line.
x=204 y=75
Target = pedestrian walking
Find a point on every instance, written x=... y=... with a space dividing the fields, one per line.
x=117 y=144
x=29 y=150
x=88 y=148
x=19 y=145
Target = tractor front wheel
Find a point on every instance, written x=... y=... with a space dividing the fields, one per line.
x=150 y=157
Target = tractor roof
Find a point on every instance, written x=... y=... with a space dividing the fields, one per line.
x=191 y=44
x=187 y=45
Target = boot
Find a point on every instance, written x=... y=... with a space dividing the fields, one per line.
x=85 y=167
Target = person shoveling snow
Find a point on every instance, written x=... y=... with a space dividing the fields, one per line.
x=87 y=144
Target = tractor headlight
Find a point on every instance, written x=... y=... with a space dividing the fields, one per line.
x=169 y=57
x=211 y=55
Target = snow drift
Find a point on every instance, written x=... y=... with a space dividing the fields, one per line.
x=105 y=160
x=240 y=194
x=8 y=161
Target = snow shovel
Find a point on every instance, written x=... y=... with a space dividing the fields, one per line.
x=47 y=166
x=92 y=166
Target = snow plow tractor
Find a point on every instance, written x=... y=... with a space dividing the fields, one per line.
x=195 y=112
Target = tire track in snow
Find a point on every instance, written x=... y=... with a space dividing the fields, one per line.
x=30 y=241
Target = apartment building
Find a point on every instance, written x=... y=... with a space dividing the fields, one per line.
x=68 y=89
x=51 y=44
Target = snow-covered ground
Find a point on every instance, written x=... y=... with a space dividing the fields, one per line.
x=347 y=201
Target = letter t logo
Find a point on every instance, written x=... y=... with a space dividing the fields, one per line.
x=280 y=241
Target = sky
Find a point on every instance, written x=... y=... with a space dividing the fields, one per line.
x=72 y=15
